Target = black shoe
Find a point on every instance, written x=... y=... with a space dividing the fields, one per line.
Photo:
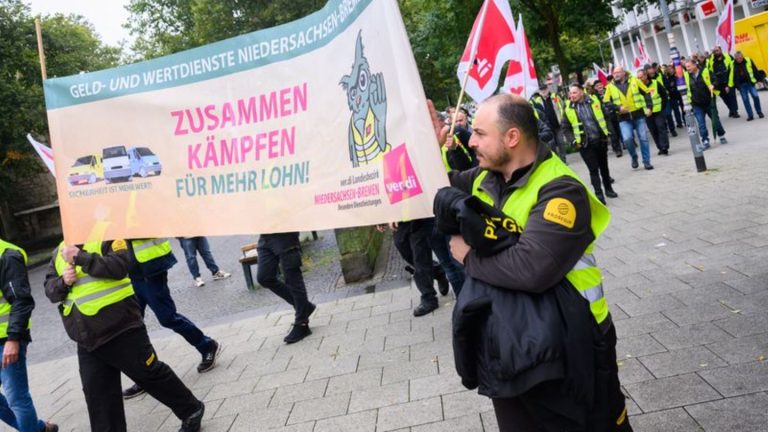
x=298 y=332
x=680 y=126
x=736 y=115
x=192 y=423
x=664 y=152
x=611 y=194
x=209 y=358
x=424 y=308
x=50 y=427
x=750 y=118
x=673 y=133
x=133 y=391
x=410 y=270
x=619 y=153
x=634 y=163
x=648 y=166
x=442 y=283
x=760 y=115
x=612 y=180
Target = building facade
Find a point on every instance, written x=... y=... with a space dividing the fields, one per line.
x=693 y=28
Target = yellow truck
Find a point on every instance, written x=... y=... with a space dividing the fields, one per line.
x=752 y=39
x=86 y=170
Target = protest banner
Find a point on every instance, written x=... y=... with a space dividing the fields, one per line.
x=315 y=124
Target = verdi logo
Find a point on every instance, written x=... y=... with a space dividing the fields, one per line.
x=400 y=180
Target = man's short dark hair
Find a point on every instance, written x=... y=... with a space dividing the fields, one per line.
x=577 y=85
x=516 y=112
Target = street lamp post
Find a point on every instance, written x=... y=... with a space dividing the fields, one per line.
x=690 y=120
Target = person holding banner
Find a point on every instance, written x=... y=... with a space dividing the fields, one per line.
x=16 y=304
x=102 y=315
x=152 y=258
x=720 y=66
x=559 y=221
x=284 y=250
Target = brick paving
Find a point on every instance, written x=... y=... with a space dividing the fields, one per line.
x=686 y=277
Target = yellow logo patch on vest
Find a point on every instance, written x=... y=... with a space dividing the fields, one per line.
x=560 y=211
x=150 y=359
x=119 y=245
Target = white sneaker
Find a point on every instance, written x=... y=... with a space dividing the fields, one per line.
x=219 y=275
x=199 y=282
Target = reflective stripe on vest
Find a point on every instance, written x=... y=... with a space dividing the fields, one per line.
x=585 y=276
x=632 y=100
x=5 y=307
x=147 y=250
x=90 y=293
x=704 y=73
x=573 y=118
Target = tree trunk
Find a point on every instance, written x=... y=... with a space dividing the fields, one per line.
x=553 y=33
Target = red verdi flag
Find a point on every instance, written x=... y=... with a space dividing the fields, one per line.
x=491 y=43
x=724 y=37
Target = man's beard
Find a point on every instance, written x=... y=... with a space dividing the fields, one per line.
x=495 y=162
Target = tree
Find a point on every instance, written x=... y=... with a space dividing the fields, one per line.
x=164 y=27
x=70 y=46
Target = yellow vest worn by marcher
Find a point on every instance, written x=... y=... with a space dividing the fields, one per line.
x=632 y=100
x=750 y=71
x=585 y=276
x=148 y=249
x=652 y=88
x=5 y=307
x=573 y=118
x=707 y=81
x=90 y=294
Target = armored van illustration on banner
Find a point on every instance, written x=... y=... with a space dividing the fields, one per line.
x=86 y=170
x=143 y=162
x=117 y=166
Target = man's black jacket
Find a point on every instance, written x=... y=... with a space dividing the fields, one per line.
x=15 y=288
x=507 y=341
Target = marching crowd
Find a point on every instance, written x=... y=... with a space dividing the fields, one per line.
x=514 y=234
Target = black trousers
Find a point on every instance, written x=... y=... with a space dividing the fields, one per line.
x=284 y=250
x=615 y=130
x=595 y=155
x=730 y=100
x=412 y=240
x=132 y=354
x=657 y=125
x=546 y=408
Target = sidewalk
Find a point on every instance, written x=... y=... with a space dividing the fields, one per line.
x=685 y=261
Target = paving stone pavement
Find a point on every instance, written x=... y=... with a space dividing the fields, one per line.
x=686 y=277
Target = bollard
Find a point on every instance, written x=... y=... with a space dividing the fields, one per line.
x=696 y=147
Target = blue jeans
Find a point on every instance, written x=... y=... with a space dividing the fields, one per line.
x=16 y=407
x=700 y=113
x=153 y=292
x=747 y=90
x=628 y=127
x=191 y=246
x=454 y=271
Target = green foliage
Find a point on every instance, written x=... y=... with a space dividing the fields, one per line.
x=438 y=32
x=164 y=27
x=70 y=47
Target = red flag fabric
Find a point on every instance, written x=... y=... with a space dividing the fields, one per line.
x=601 y=74
x=521 y=74
x=724 y=37
x=491 y=43
x=644 y=58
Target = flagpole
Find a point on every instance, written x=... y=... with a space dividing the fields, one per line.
x=40 y=51
x=472 y=56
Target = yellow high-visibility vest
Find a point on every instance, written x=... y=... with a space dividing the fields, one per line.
x=90 y=294
x=585 y=276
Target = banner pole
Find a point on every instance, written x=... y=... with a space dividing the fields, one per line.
x=40 y=50
x=472 y=57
